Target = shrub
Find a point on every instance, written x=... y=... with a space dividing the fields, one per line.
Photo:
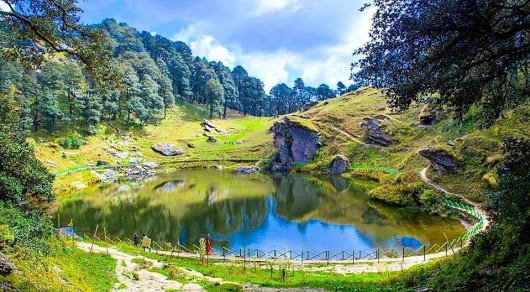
x=71 y=142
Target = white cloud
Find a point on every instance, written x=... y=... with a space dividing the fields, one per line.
x=328 y=64
x=4 y=6
x=204 y=45
x=266 y=6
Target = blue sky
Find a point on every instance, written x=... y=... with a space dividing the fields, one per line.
x=275 y=40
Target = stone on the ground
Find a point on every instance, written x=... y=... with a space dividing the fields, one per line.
x=240 y=141
x=138 y=172
x=167 y=149
x=339 y=165
x=247 y=169
x=295 y=143
x=375 y=131
x=191 y=145
x=220 y=131
x=51 y=163
x=441 y=160
x=211 y=139
x=209 y=124
x=135 y=149
x=430 y=114
x=108 y=176
x=208 y=129
x=150 y=164
x=101 y=163
x=6 y=266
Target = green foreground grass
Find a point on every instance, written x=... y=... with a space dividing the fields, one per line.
x=65 y=268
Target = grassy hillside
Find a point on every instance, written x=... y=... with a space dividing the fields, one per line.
x=245 y=138
x=249 y=140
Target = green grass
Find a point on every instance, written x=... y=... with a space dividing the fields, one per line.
x=64 y=269
x=261 y=274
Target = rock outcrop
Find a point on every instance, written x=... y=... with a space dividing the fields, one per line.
x=6 y=266
x=430 y=115
x=167 y=149
x=295 y=142
x=375 y=132
x=339 y=165
x=441 y=160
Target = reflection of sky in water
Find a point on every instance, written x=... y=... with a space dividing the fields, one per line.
x=278 y=233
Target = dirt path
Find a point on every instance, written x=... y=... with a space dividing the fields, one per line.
x=344 y=133
x=147 y=281
x=477 y=206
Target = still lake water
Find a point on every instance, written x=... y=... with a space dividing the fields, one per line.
x=257 y=212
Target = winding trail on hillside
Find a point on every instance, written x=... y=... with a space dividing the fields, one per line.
x=477 y=206
x=344 y=133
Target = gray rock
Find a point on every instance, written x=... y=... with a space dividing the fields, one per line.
x=208 y=129
x=109 y=176
x=222 y=132
x=209 y=124
x=375 y=131
x=247 y=169
x=240 y=141
x=211 y=139
x=101 y=163
x=295 y=144
x=138 y=172
x=122 y=155
x=167 y=149
x=441 y=160
x=430 y=114
x=150 y=164
x=6 y=266
x=339 y=165
x=191 y=145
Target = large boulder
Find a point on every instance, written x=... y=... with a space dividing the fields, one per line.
x=375 y=132
x=430 y=114
x=6 y=266
x=167 y=149
x=441 y=160
x=296 y=143
x=339 y=165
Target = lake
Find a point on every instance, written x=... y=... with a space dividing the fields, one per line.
x=257 y=211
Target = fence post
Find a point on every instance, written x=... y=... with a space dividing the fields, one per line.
x=353 y=257
x=95 y=232
x=377 y=255
x=302 y=257
x=423 y=252
x=224 y=254
x=327 y=257
x=244 y=258
x=403 y=257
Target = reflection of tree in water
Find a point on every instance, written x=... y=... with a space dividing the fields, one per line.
x=223 y=218
x=295 y=196
x=122 y=220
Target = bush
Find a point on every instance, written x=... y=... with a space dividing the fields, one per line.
x=71 y=142
x=23 y=229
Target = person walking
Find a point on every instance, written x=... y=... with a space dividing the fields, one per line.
x=146 y=242
x=208 y=244
x=136 y=239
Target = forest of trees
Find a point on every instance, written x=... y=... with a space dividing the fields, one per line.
x=154 y=73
